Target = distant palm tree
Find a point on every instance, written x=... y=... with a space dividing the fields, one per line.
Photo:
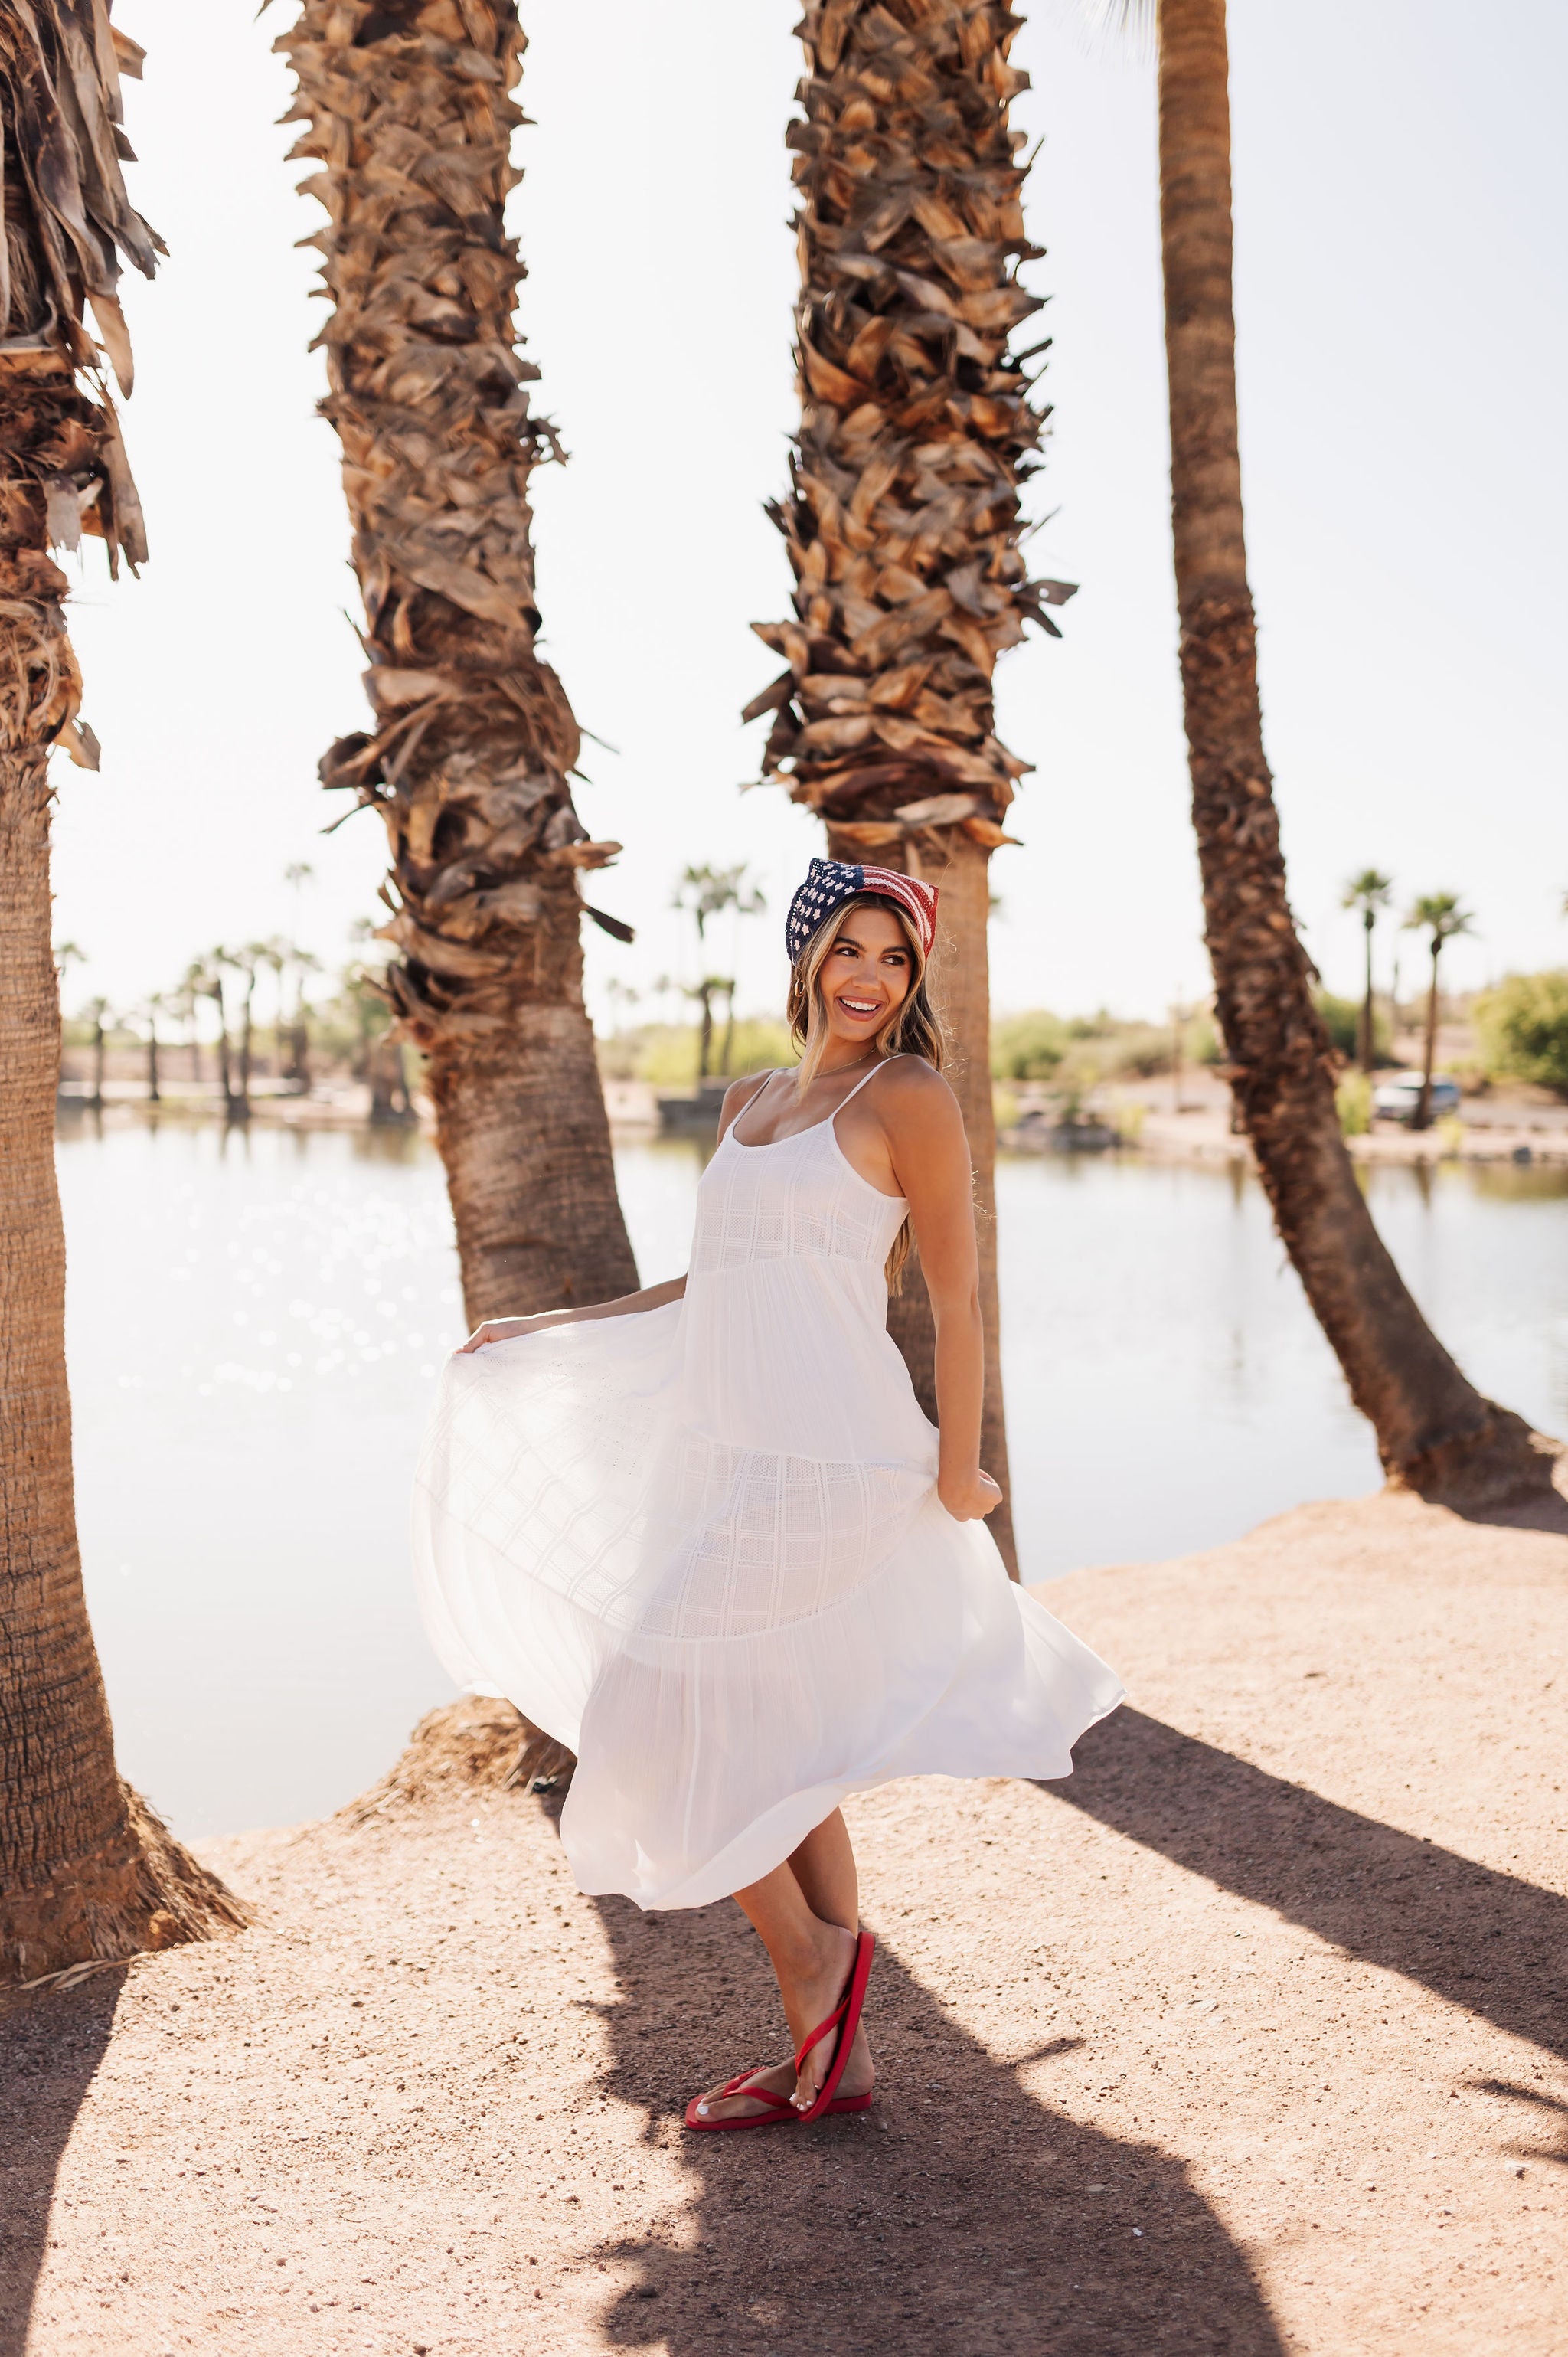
x=246 y=962
x=1439 y=916
x=85 y=1871
x=706 y=892
x=152 y=1007
x=293 y=1031
x=1369 y=892
x=1435 y=1432
x=206 y=977
x=182 y=1005
x=903 y=525
x=407 y=110
x=98 y=1014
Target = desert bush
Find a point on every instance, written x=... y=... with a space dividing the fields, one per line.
x=1353 y=1098
x=665 y=1054
x=1342 y=1021
x=1027 y=1047
x=1523 y=1027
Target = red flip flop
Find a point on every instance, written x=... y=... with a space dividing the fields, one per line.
x=780 y=2111
x=845 y=2019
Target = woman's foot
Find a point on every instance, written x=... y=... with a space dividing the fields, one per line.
x=859 y=2076
x=811 y=1980
x=811 y=1984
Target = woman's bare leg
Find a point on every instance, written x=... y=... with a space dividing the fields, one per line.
x=806 y=1913
x=824 y=1866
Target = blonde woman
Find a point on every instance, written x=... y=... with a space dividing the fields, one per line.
x=705 y=1536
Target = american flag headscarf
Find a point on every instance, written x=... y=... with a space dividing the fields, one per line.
x=831 y=882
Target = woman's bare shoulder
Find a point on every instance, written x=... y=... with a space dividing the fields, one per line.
x=911 y=1091
x=747 y=1086
x=739 y=1093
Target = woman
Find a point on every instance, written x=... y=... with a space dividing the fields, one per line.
x=705 y=1536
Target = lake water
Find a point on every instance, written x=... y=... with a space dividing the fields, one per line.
x=256 y=1324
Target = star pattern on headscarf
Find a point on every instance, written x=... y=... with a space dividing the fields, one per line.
x=828 y=883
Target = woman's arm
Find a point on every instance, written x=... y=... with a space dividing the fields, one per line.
x=505 y=1330
x=930 y=1160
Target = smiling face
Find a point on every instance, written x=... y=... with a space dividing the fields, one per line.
x=867 y=974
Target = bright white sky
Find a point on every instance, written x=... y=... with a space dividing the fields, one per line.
x=1401 y=223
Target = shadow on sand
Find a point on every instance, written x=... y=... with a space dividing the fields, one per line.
x=1474 y=1936
x=960 y=2216
x=51 y=2048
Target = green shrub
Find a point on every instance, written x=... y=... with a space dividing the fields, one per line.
x=665 y=1054
x=1353 y=1098
x=1342 y=1021
x=1523 y=1028
x=1028 y=1046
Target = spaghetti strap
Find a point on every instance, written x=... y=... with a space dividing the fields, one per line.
x=751 y=1100
x=880 y=1066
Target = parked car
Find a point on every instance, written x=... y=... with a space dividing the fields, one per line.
x=1396 y=1098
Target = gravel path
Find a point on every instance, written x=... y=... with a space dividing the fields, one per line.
x=1250 y=2039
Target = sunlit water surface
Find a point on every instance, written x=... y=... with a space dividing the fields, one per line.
x=255 y=1325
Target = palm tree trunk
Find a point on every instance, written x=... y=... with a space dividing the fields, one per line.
x=473 y=741
x=1422 y=1118
x=153 y=1097
x=1368 y=1012
x=97 y=1059
x=246 y=1040
x=705 y=1032
x=225 y=1073
x=1435 y=1432
x=85 y=1870
x=903 y=527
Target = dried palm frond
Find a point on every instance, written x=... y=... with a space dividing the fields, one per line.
x=409 y=111
x=479 y=1739
x=408 y=108
x=903 y=528
x=67 y=220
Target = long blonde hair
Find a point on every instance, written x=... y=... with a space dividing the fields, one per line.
x=914 y=1027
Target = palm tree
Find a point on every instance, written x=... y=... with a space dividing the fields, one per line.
x=98 y=1014
x=706 y=892
x=409 y=108
x=903 y=525
x=1370 y=891
x=296 y=1067
x=1435 y=1432
x=246 y=962
x=153 y=1008
x=181 y=1005
x=85 y=1870
x=206 y=979
x=1439 y=916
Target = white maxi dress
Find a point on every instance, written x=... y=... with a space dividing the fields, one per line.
x=702 y=1545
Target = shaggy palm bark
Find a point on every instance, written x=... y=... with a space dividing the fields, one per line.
x=408 y=111
x=1435 y=1432
x=85 y=1869
x=903 y=528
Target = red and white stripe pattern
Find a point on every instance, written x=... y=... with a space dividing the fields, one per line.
x=831 y=882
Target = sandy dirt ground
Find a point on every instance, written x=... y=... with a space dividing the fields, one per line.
x=1250 y=2038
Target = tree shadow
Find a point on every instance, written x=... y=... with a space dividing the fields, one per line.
x=1477 y=1938
x=1549 y=2112
x=960 y=2217
x=51 y=2048
x=1547 y=1510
